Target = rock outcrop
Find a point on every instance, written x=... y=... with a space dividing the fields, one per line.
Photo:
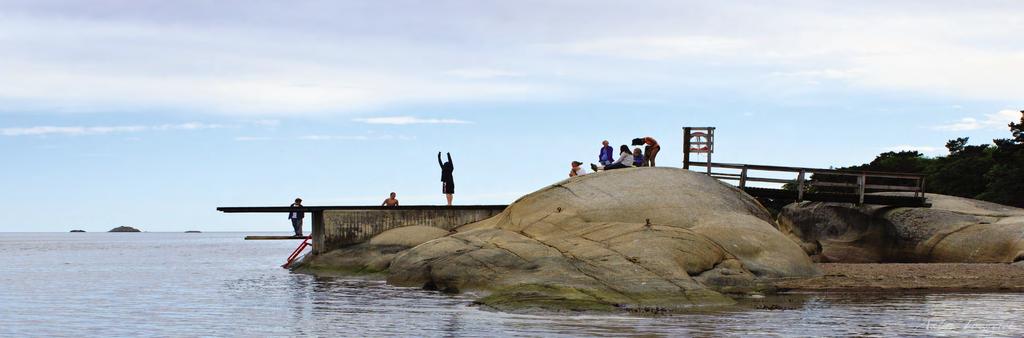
x=641 y=238
x=124 y=229
x=952 y=230
x=375 y=255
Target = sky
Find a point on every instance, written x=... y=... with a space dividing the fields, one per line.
x=153 y=113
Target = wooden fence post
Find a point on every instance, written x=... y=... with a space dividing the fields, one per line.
x=800 y=186
x=743 y=178
x=861 y=182
x=686 y=147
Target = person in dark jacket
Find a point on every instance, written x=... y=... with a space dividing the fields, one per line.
x=605 y=155
x=296 y=217
x=447 y=181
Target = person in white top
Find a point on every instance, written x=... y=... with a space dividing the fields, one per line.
x=625 y=160
x=577 y=170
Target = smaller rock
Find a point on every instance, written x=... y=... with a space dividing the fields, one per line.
x=375 y=255
x=124 y=229
x=76 y=230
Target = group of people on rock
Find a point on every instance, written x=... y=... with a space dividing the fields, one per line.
x=627 y=158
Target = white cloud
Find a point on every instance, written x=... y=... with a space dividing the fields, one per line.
x=967 y=123
x=333 y=138
x=252 y=138
x=101 y=130
x=228 y=69
x=74 y=131
x=656 y=47
x=482 y=73
x=978 y=58
x=999 y=120
x=267 y=123
x=67 y=60
x=826 y=74
x=189 y=126
x=356 y=137
x=404 y=120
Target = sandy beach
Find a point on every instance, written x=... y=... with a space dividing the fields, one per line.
x=908 y=276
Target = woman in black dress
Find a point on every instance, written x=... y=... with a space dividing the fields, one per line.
x=447 y=181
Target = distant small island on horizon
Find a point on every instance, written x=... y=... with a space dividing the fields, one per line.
x=124 y=229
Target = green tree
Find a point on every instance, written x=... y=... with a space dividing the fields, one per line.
x=957 y=145
x=900 y=162
x=986 y=172
x=911 y=162
x=962 y=172
x=1005 y=180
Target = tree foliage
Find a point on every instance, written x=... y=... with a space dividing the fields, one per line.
x=991 y=172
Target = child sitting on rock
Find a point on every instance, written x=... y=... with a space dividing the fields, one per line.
x=638 y=157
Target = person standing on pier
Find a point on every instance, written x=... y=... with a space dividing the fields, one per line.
x=296 y=217
x=650 y=151
x=390 y=201
x=447 y=181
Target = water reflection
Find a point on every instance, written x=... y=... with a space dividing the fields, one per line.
x=218 y=285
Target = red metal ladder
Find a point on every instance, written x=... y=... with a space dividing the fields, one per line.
x=295 y=254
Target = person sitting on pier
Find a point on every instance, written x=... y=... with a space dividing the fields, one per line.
x=605 y=155
x=447 y=180
x=390 y=201
x=576 y=169
x=638 y=158
x=625 y=160
x=296 y=217
x=650 y=151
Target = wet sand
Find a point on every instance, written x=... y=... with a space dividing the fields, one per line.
x=911 y=277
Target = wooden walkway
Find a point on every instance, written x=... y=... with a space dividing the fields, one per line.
x=858 y=185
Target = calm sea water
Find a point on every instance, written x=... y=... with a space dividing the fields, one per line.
x=216 y=284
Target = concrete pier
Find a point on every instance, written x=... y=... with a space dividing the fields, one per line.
x=340 y=226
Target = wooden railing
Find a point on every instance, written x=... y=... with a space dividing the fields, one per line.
x=747 y=173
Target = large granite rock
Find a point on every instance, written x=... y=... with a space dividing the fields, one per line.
x=640 y=238
x=952 y=230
